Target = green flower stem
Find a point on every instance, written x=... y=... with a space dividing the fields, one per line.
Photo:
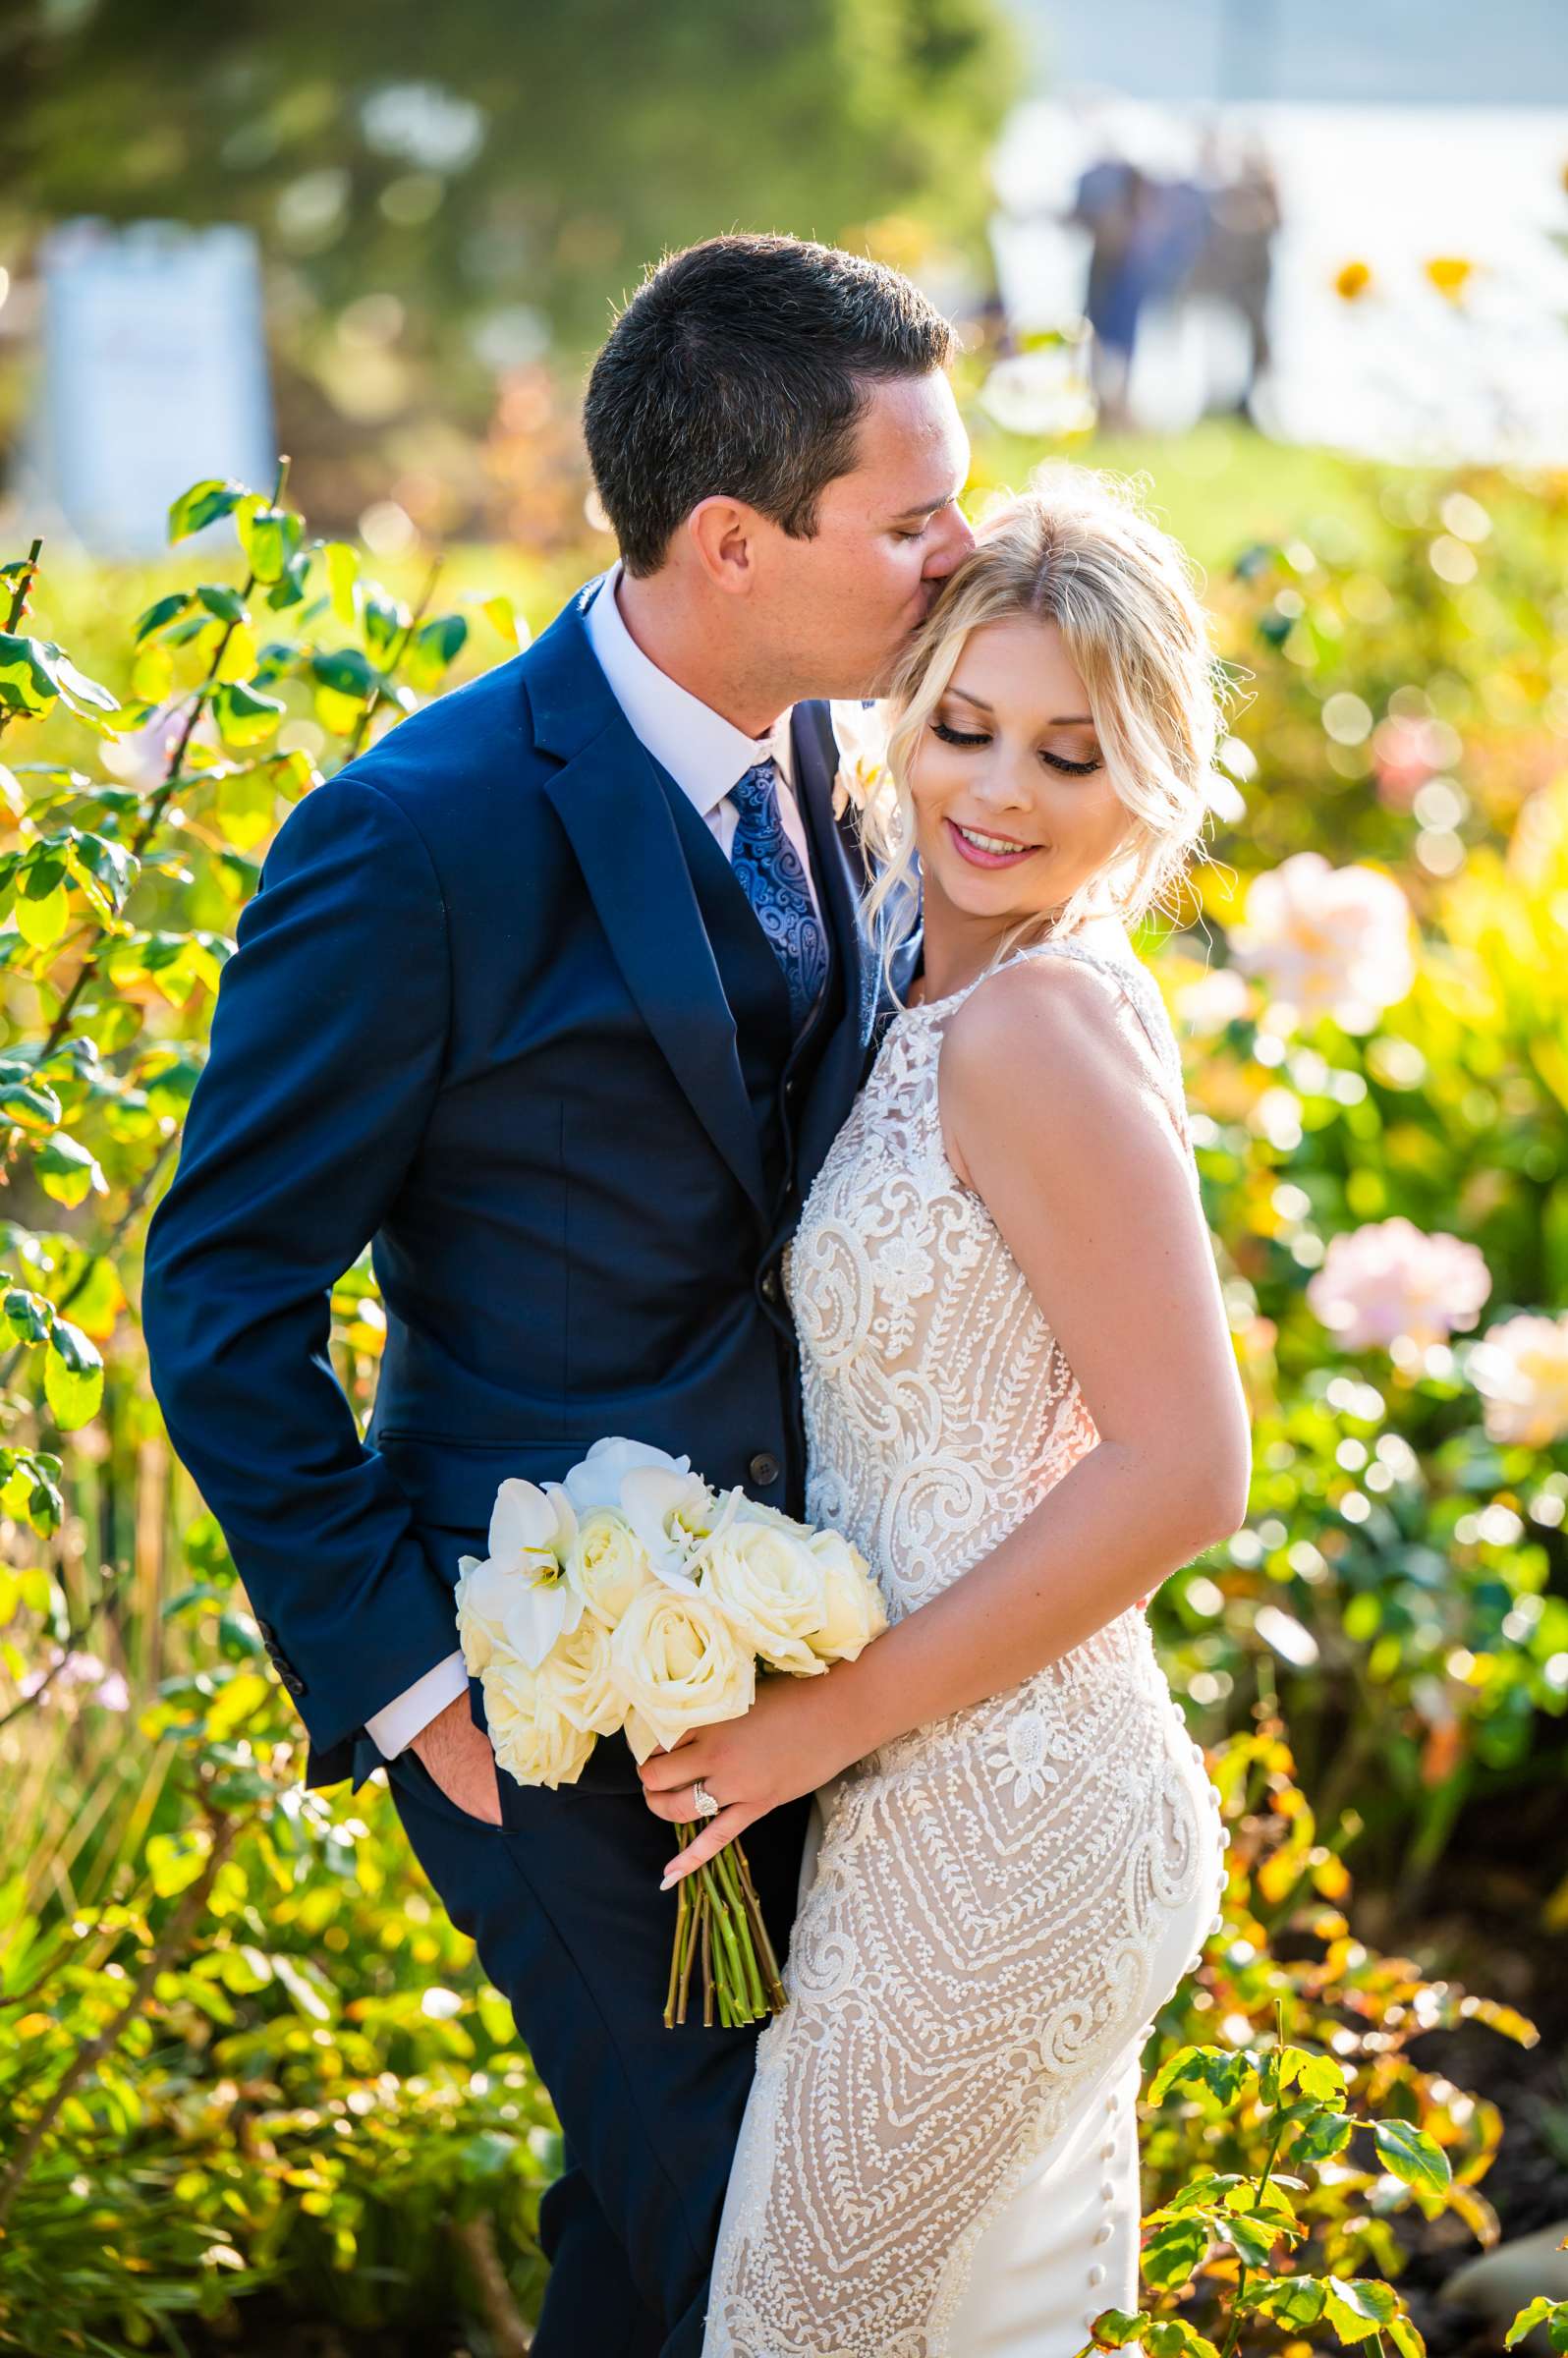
x=18 y=599
x=776 y=1996
x=748 y=2007
x=707 y=1976
x=687 y=1918
x=372 y=703
x=1233 y=2335
x=740 y=1917
x=679 y=1953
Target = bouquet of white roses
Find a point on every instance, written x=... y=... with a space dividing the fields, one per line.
x=632 y=1596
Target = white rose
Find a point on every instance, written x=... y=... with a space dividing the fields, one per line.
x=678 y=1664
x=482 y=1594
x=853 y=1609
x=534 y=1741
x=774 y=1592
x=576 y=1677
x=595 y=1481
x=754 y=1510
x=607 y=1565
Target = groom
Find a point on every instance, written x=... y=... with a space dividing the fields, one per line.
x=557 y=994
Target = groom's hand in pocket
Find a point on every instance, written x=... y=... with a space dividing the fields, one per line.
x=459 y=1757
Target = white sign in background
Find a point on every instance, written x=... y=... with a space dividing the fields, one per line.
x=154 y=374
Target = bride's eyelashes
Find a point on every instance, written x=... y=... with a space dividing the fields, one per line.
x=1070 y=769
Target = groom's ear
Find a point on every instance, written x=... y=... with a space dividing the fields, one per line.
x=722 y=536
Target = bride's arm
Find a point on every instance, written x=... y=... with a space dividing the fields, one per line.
x=1053 y=1117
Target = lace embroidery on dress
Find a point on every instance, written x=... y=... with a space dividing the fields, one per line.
x=975 y=1945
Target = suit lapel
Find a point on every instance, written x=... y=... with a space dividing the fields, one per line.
x=610 y=802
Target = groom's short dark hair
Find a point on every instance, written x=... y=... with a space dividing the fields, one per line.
x=742 y=369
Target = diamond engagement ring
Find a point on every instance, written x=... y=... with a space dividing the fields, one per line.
x=703 y=1801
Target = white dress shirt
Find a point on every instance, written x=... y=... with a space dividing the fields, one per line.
x=705 y=754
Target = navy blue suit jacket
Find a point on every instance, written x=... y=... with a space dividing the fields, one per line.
x=474 y=1015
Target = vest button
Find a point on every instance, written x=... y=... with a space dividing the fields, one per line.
x=764 y=1469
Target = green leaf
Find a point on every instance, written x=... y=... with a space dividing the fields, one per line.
x=245 y=806
x=203 y=504
x=269 y=537
x=1323 y=2136
x=1404 y=2336
x=1292 y=2301
x=1411 y=2155
x=174 y=1861
x=67 y=1171
x=1174 y=2337
x=346 y=670
x=219 y=599
x=115 y=867
x=290 y=587
x=1173 y=2251
x=28 y=682
x=243 y=715
x=42 y=922
x=1358 y=2306
x=1252 y=2241
x=1202 y=2191
x=1536 y=2313
x=385 y=620
x=435 y=649
x=1221 y=2071
x=1113 y=2329
x=162 y=611
x=30 y=1106
x=29 y=1315
x=1318 y=2076
x=73 y=1375
x=341 y=572
x=78 y=690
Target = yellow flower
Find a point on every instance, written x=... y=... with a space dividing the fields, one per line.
x=1451 y=274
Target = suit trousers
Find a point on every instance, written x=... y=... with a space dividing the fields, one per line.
x=563 y=1904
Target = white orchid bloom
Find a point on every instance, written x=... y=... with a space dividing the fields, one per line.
x=669 y=1512
x=595 y=1481
x=529 y=1521
x=518 y=1596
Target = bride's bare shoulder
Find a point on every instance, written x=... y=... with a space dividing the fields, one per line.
x=1049 y=1011
x=1048 y=1053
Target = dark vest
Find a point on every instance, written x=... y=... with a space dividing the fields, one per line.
x=776 y=1067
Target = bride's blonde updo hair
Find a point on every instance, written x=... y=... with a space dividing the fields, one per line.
x=1074 y=549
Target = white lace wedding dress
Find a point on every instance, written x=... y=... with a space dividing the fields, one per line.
x=938 y=2158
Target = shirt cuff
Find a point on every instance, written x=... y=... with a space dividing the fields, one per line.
x=393 y=1729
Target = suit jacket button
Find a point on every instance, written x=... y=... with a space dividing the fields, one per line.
x=764 y=1469
x=292 y=1681
x=770 y=1285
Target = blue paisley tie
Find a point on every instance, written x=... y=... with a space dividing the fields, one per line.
x=774 y=881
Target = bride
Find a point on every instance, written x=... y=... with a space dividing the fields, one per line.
x=1022 y=1405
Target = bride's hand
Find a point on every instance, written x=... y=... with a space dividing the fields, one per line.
x=790 y=1742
